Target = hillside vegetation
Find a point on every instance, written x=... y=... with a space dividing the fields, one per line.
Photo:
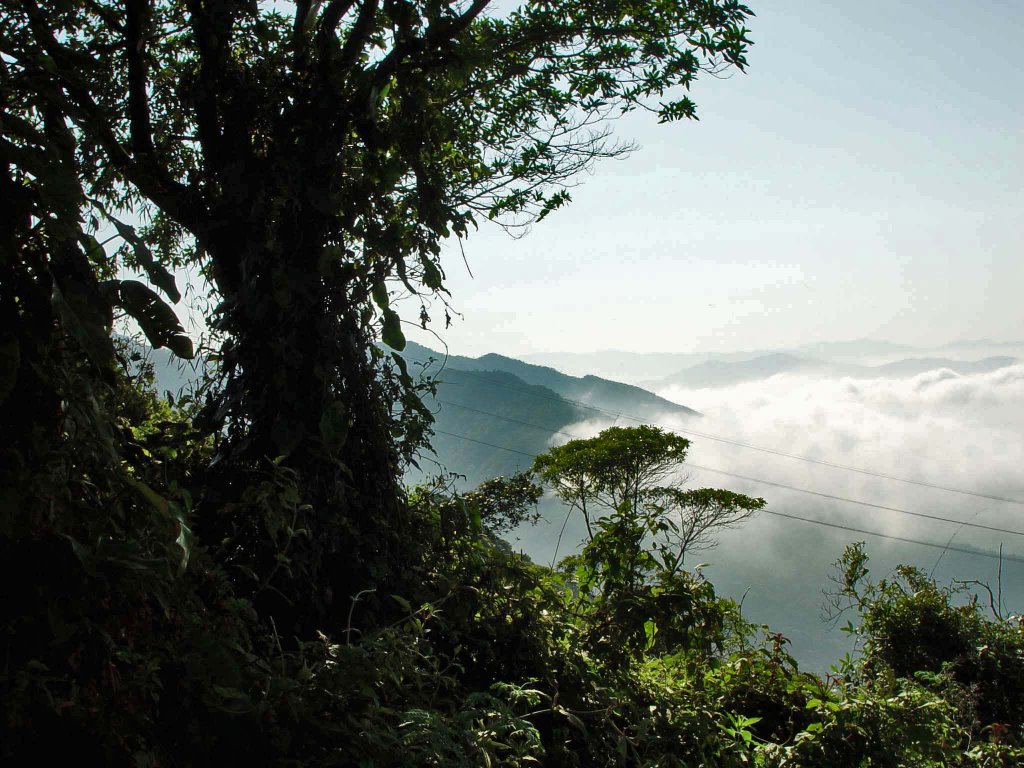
x=240 y=576
x=135 y=638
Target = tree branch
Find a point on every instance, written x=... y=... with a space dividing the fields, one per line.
x=357 y=36
x=108 y=18
x=332 y=16
x=142 y=171
x=435 y=35
x=212 y=23
x=449 y=31
x=140 y=123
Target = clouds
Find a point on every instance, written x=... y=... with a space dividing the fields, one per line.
x=940 y=428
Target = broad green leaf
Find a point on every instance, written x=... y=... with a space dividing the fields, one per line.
x=391 y=334
x=404 y=604
x=432 y=276
x=380 y=296
x=156 y=271
x=181 y=345
x=91 y=336
x=156 y=319
x=334 y=426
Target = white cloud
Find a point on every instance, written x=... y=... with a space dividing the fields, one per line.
x=940 y=428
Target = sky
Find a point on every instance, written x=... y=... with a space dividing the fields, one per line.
x=863 y=179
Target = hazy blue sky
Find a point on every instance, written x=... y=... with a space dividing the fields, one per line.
x=863 y=179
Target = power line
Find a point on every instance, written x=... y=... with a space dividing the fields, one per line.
x=484 y=442
x=848 y=468
x=730 y=441
x=861 y=503
x=807 y=491
x=963 y=550
x=944 y=547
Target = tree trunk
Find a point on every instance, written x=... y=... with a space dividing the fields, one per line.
x=304 y=394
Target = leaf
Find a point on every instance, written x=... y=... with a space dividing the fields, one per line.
x=156 y=318
x=93 y=250
x=184 y=541
x=334 y=426
x=181 y=345
x=155 y=499
x=403 y=368
x=233 y=700
x=404 y=604
x=91 y=337
x=156 y=271
x=432 y=276
x=380 y=296
x=391 y=334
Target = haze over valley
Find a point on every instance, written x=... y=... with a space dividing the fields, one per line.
x=834 y=426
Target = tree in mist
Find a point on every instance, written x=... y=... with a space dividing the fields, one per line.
x=639 y=471
x=611 y=469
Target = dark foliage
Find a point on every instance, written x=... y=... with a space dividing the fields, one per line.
x=239 y=577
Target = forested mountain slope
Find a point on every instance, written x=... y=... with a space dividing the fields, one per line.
x=592 y=390
x=492 y=423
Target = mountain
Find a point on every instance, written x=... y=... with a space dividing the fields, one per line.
x=493 y=413
x=597 y=393
x=719 y=373
x=492 y=423
x=918 y=365
x=630 y=367
x=170 y=372
x=644 y=368
x=982 y=344
x=857 y=349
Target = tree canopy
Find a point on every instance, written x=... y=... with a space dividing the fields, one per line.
x=310 y=158
x=238 y=577
x=637 y=472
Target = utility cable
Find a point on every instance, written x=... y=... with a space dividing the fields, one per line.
x=978 y=552
x=482 y=375
x=761 y=481
x=963 y=550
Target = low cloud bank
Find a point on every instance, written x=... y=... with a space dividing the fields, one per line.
x=957 y=431
x=940 y=428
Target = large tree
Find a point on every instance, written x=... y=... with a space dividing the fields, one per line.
x=310 y=158
x=637 y=473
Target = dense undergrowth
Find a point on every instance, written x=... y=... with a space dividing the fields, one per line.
x=139 y=629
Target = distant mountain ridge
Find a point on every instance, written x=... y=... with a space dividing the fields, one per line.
x=492 y=423
x=594 y=391
x=718 y=373
x=493 y=413
x=643 y=368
